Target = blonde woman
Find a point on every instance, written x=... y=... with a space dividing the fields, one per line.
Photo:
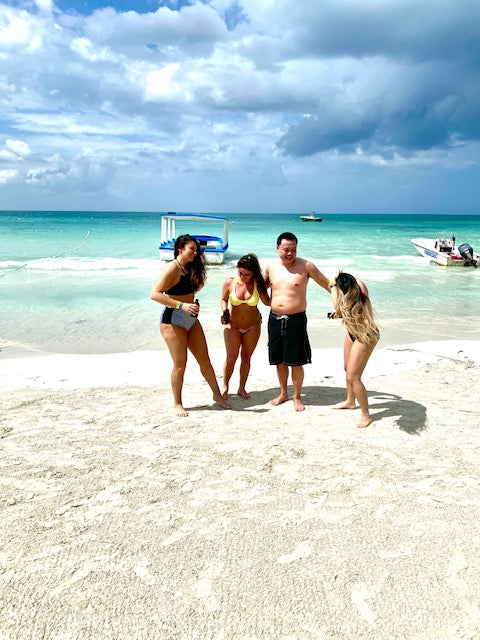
x=352 y=304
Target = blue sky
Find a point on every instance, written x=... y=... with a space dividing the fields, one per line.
x=243 y=105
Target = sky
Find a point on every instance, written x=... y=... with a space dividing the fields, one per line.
x=368 y=106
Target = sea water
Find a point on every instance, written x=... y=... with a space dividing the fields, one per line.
x=79 y=282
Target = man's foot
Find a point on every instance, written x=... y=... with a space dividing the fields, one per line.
x=222 y=402
x=179 y=411
x=243 y=394
x=298 y=404
x=364 y=422
x=279 y=399
x=344 y=405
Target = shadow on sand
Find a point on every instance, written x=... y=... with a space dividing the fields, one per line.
x=411 y=417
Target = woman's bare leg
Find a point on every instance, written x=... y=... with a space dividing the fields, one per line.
x=349 y=403
x=249 y=342
x=198 y=346
x=176 y=340
x=232 y=346
x=357 y=361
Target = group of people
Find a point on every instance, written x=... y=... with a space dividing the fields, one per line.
x=283 y=287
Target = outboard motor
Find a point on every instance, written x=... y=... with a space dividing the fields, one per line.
x=466 y=251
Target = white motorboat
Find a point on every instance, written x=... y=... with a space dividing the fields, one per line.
x=446 y=253
x=312 y=217
x=213 y=246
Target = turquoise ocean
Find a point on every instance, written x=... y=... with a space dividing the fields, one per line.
x=79 y=282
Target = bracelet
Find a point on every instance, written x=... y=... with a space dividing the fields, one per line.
x=179 y=305
x=333 y=284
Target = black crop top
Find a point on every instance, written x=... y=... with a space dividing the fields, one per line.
x=183 y=287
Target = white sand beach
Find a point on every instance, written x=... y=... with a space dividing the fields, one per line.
x=120 y=521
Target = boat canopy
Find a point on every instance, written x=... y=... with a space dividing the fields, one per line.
x=214 y=246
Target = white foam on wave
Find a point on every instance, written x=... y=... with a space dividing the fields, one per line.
x=399 y=258
x=90 y=264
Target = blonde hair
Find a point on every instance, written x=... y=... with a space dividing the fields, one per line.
x=355 y=309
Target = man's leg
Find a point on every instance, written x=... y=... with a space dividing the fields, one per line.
x=282 y=373
x=297 y=379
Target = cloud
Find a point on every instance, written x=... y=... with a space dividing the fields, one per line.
x=8 y=175
x=218 y=85
x=18 y=147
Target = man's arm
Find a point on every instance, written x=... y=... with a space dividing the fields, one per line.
x=266 y=276
x=317 y=276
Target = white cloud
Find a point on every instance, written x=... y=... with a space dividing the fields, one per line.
x=159 y=82
x=44 y=5
x=8 y=175
x=85 y=48
x=14 y=28
x=18 y=147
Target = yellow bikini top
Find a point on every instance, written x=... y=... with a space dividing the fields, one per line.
x=252 y=301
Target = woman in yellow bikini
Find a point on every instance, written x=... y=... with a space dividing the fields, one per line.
x=242 y=319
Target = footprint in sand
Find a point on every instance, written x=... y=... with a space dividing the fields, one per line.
x=302 y=550
x=204 y=588
x=360 y=594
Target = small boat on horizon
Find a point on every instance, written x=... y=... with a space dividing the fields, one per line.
x=446 y=253
x=312 y=217
x=213 y=246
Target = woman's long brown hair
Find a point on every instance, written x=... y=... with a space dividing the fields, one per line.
x=251 y=263
x=195 y=269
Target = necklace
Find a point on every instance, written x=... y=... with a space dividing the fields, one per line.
x=184 y=271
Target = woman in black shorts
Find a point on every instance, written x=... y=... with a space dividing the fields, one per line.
x=352 y=304
x=175 y=289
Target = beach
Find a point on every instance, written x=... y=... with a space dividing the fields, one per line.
x=118 y=520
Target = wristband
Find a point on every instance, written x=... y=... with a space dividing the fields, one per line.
x=332 y=284
x=179 y=305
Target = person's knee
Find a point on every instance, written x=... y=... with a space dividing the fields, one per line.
x=352 y=377
x=179 y=368
x=245 y=357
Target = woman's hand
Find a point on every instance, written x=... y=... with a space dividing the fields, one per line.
x=225 y=317
x=192 y=308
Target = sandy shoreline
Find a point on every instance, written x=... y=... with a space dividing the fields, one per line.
x=119 y=521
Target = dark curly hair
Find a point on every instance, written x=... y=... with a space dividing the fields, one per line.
x=195 y=269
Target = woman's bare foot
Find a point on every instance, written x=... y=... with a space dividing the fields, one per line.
x=279 y=399
x=344 y=405
x=225 y=393
x=222 y=402
x=364 y=422
x=298 y=404
x=243 y=394
x=180 y=411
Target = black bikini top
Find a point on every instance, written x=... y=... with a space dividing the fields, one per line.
x=183 y=287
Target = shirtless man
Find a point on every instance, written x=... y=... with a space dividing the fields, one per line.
x=288 y=344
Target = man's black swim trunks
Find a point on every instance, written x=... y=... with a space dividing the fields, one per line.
x=288 y=340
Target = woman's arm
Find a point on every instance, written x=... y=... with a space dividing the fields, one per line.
x=363 y=287
x=168 y=278
x=334 y=291
x=226 y=288
x=265 y=298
